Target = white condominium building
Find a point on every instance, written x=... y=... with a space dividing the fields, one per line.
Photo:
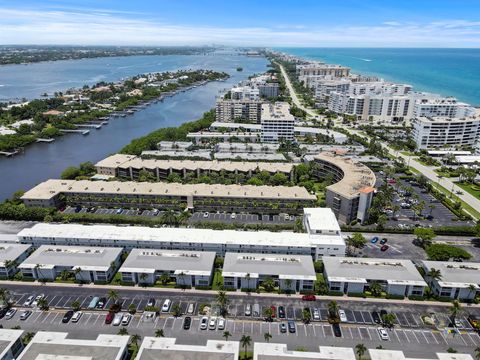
x=232 y=110
x=443 y=107
x=245 y=93
x=319 y=68
x=277 y=123
x=445 y=132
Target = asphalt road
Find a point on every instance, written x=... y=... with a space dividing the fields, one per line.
x=409 y=334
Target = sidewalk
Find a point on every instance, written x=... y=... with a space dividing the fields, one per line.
x=235 y=293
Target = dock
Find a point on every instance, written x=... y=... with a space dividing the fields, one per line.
x=45 y=140
x=91 y=126
x=9 y=154
x=83 y=132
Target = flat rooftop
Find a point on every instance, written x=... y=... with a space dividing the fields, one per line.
x=174 y=154
x=249 y=156
x=321 y=219
x=58 y=346
x=154 y=348
x=282 y=265
x=115 y=161
x=456 y=274
x=85 y=257
x=8 y=337
x=467 y=159
x=178 y=235
x=278 y=111
x=352 y=269
x=11 y=252
x=50 y=188
x=271 y=351
x=187 y=262
x=356 y=175
x=376 y=354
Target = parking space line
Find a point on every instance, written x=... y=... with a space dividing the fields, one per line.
x=461 y=337
x=39 y=314
x=423 y=333
x=51 y=322
x=406 y=335
x=415 y=336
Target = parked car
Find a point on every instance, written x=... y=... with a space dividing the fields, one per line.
x=316 y=314
x=281 y=312
x=291 y=326
x=119 y=211
x=151 y=302
x=68 y=315
x=29 y=300
x=191 y=308
x=274 y=311
x=126 y=319
x=376 y=318
x=76 y=317
x=309 y=298
x=109 y=317
x=166 y=305
x=233 y=216
x=336 y=330
x=248 y=310
x=187 y=322
x=342 y=315
x=24 y=315
x=283 y=327
x=221 y=324
x=101 y=303
x=383 y=334
x=10 y=313
x=37 y=299
x=117 y=319
x=256 y=310
x=374 y=240
x=204 y=323
x=286 y=217
x=383 y=241
x=472 y=319
x=93 y=303
x=384 y=248
x=212 y=324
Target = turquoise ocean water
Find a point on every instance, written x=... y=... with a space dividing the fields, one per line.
x=451 y=72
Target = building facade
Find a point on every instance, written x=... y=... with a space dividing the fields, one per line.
x=11 y=255
x=277 y=123
x=234 y=110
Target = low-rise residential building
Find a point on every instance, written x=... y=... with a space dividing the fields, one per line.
x=167 y=349
x=437 y=132
x=161 y=154
x=146 y=195
x=237 y=156
x=321 y=221
x=188 y=268
x=457 y=280
x=57 y=345
x=351 y=195
x=470 y=160
x=271 y=351
x=86 y=264
x=218 y=241
x=207 y=137
x=11 y=255
x=277 y=123
x=174 y=145
x=248 y=271
x=234 y=110
x=244 y=93
x=246 y=148
x=356 y=275
x=380 y=354
x=130 y=167
x=10 y=343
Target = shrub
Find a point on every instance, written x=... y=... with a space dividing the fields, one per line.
x=444 y=252
x=416 y=298
x=354 y=294
x=335 y=293
x=394 y=297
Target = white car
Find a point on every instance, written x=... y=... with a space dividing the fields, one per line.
x=24 y=315
x=383 y=334
x=233 y=216
x=190 y=309
x=29 y=300
x=10 y=313
x=117 y=320
x=204 y=323
x=126 y=319
x=166 y=305
x=212 y=323
x=76 y=317
x=37 y=299
x=206 y=214
x=286 y=217
x=316 y=314
x=248 y=310
x=342 y=315
x=221 y=324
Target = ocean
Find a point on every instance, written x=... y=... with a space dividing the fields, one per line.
x=449 y=72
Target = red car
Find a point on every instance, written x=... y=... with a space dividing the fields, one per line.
x=309 y=298
x=384 y=248
x=274 y=311
x=109 y=318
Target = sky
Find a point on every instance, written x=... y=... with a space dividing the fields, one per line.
x=293 y=23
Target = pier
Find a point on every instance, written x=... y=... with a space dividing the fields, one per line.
x=92 y=126
x=39 y=140
x=9 y=154
x=83 y=132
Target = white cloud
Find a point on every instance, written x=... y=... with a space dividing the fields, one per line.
x=97 y=27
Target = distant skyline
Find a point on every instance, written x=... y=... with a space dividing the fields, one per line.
x=302 y=23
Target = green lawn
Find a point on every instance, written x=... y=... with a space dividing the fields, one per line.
x=454 y=197
x=470 y=188
x=217 y=280
x=407 y=153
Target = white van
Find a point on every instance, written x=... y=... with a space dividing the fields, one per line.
x=166 y=305
x=190 y=309
x=76 y=317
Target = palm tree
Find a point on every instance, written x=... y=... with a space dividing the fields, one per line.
x=388 y=319
x=268 y=312
x=268 y=284
x=135 y=339
x=333 y=310
x=75 y=305
x=245 y=342
x=247 y=277
x=288 y=284
x=306 y=315
x=360 y=349
x=454 y=310
x=434 y=274
x=123 y=331
x=164 y=278
x=226 y=335
x=43 y=304
x=143 y=277
x=64 y=274
x=267 y=336
x=4 y=295
x=471 y=289
x=112 y=295
x=159 y=333
x=223 y=301
x=27 y=337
